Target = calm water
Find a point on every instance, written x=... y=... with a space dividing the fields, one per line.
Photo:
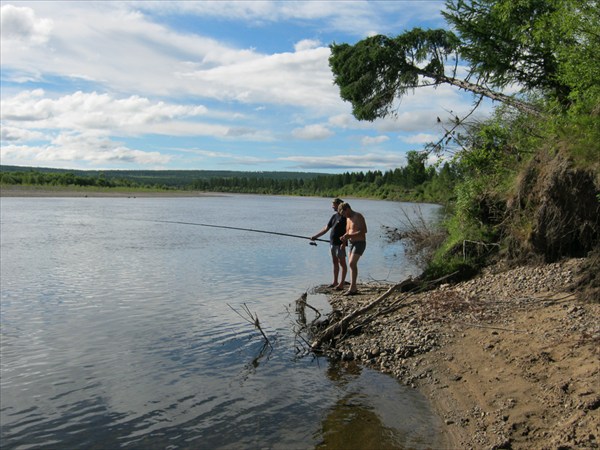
x=119 y=331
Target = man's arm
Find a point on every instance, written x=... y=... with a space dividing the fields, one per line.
x=321 y=233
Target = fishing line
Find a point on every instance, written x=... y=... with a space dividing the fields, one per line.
x=240 y=229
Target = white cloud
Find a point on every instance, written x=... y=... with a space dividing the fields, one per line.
x=433 y=159
x=77 y=148
x=109 y=44
x=163 y=62
x=306 y=44
x=21 y=24
x=312 y=132
x=204 y=153
x=349 y=122
x=249 y=134
x=123 y=50
x=10 y=134
x=353 y=17
x=374 y=140
x=408 y=120
x=368 y=161
x=341 y=120
x=420 y=138
x=93 y=111
x=302 y=79
x=247 y=11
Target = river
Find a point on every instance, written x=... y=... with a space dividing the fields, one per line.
x=121 y=329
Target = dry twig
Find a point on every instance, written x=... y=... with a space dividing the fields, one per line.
x=253 y=320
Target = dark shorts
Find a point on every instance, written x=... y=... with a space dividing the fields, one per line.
x=358 y=247
x=338 y=251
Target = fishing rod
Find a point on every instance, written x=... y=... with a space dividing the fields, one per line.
x=241 y=229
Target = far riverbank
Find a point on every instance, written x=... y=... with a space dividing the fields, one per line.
x=62 y=191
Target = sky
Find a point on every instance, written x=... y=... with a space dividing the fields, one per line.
x=203 y=85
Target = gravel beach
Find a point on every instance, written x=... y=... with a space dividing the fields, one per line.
x=509 y=359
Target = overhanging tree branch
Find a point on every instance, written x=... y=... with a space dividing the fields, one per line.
x=376 y=71
x=496 y=96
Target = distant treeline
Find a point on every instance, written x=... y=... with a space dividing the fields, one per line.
x=415 y=181
x=178 y=179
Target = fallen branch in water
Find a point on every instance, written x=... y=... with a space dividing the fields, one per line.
x=341 y=325
x=304 y=326
x=301 y=303
x=253 y=320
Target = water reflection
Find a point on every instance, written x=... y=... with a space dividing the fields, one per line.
x=369 y=419
x=350 y=420
x=262 y=355
x=351 y=425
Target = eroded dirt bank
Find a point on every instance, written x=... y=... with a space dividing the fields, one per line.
x=510 y=359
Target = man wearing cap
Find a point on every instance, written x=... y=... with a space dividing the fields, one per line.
x=337 y=225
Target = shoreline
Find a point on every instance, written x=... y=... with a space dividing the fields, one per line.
x=62 y=191
x=508 y=359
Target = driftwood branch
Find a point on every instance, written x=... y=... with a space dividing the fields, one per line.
x=301 y=303
x=341 y=325
x=359 y=317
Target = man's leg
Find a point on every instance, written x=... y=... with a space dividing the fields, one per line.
x=336 y=268
x=342 y=263
x=344 y=272
x=354 y=257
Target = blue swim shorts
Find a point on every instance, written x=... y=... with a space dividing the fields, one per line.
x=338 y=251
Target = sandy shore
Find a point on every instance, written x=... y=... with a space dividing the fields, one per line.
x=508 y=360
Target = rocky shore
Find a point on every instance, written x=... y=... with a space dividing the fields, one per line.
x=509 y=359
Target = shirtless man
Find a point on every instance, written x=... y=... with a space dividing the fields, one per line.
x=356 y=234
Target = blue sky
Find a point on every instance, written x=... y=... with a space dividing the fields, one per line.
x=203 y=85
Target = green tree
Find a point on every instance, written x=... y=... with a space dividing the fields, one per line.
x=545 y=45
x=415 y=171
x=376 y=71
x=548 y=45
